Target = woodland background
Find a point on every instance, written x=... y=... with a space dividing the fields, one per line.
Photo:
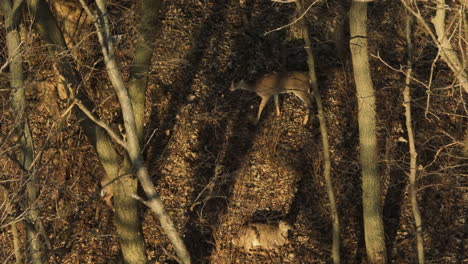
x=214 y=169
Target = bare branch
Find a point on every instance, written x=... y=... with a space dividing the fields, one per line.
x=100 y=123
x=398 y=70
x=132 y=144
x=335 y=254
x=284 y=1
x=440 y=39
x=295 y=20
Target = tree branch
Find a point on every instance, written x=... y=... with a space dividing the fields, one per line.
x=412 y=148
x=100 y=123
x=325 y=140
x=440 y=39
x=133 y=147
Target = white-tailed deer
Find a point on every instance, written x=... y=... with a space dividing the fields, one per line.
x=262 y=236
x=274 y=84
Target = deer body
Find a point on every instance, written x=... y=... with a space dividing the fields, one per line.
x=274 y=84
x=262 y=236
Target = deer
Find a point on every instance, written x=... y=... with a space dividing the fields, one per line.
x=273 y=84
x=262 y=236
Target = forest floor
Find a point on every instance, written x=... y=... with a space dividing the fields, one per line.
x=215 y=170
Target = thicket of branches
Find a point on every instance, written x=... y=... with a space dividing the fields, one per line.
x=89 y=110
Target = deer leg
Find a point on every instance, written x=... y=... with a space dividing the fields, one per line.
x=306 y=118
x=262 y=105
x=305 y=97
x=278 y=113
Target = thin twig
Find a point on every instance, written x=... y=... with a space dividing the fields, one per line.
x=39 y=154
x=149 y=140
x=132 y=143
x=295 y=20
x=283 y=1
x=113 y=181
x=441 y=185
x=397 y=70
x=102 y=124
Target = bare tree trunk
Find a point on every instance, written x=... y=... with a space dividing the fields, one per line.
x=16 y=244
x=142 y=60
x=326 y=145
x=442 y=41
x=127 y=219
x=132 y=248
x=23 y=134
x=446 y=49
x=132 y=145
x=128 y=223
x=371 y=182
x=412 y=148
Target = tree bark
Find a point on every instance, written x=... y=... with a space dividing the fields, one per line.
x=132 y=249
x=447 y=52
x=16 y=244
x=128 y=224
x=446 y=49
x=23 y=133
x=325 y=142
x=412 y=147
x=154 y=202
x=142 y=60
x=371 y=182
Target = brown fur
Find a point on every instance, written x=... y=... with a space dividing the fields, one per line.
x=274 y=84
x=262 y=236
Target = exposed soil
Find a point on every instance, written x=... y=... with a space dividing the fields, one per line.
x=216 y=170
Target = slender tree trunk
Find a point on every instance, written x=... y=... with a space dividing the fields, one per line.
x=142 y=60
x=132 y=144
x=326 y=145
x=128 y=223
x=154 y=202
x=449 y=55
x=371 y=182
x=16 y=244
x=23 y=134
x=412 y=148
x=132 y=248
